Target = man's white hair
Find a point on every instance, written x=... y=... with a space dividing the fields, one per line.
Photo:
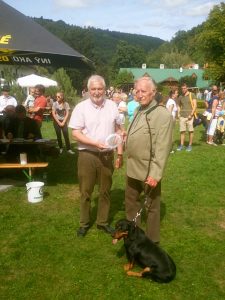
x=147 y=79
x=96 y=78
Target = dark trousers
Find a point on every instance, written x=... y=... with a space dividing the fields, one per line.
x=1 y=125
x=59 y=130
x=133 y=204
x=95 y=168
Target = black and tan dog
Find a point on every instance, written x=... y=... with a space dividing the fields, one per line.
x=156 y=263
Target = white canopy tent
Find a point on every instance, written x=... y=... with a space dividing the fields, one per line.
x=32 y=80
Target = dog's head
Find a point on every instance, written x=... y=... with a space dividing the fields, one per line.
x=123 y=228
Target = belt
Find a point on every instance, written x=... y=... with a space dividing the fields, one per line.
x=98 y=153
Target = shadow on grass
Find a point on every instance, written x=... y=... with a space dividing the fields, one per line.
x=117 y=204
x=46 y=194
x=63 y=169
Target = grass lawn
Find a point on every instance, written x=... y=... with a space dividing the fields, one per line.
x=42 y=258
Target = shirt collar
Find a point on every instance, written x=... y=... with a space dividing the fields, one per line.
x=97 y=106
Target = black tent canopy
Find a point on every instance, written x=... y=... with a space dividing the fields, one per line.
x=24 y=42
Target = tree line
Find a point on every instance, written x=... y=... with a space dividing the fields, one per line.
x=110 y=50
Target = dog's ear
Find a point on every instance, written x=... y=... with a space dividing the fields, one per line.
x=132 y=231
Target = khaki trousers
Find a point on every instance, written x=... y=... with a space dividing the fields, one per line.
x=133 y=204
x=95 y=168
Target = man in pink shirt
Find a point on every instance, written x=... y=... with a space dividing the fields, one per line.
x=92 y=121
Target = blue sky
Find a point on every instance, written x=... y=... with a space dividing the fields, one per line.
x=158 y=18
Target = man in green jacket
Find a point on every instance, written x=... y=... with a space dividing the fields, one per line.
x=149 y=141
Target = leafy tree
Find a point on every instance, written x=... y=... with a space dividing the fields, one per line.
x=189 y=80
x=65 y=85
x=9 y=75
x=212 y=42
x=164 y=90
x=181 y=40
x=154 y=58
x=123 y=78
x=79 y=78
x=18 y=93
x=175 y=59
x=128 y=56
x=42 y=71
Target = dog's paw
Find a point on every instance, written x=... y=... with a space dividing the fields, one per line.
x=129 y=273
x=135 y=274
x=114 y=241
x=127 y=267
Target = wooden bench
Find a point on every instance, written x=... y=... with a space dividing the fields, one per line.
x=29 y=166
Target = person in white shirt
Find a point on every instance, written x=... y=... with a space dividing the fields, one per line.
x=5 y=100
x=171 y=105
x=121 y=105
x=29 y=102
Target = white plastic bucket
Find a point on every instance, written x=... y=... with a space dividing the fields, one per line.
x=35 y=191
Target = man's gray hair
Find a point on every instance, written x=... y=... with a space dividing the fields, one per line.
x=96 y=78
x=147 y=79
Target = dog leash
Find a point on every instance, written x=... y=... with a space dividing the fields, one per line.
x=147 y=192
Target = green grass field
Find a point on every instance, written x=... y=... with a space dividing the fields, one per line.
x=42 y=258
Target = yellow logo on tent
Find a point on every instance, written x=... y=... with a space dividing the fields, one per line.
x=5 y=39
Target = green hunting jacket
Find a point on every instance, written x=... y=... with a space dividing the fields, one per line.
x=147 y=153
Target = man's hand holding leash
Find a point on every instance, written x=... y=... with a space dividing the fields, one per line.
x=151 y=182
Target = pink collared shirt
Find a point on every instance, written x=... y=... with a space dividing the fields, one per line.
x=96 y=122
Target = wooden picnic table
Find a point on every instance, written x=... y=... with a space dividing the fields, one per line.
x=42 y=144
x=29 y=166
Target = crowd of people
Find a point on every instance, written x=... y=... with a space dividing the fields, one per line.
x=183 y=108
x=212 y=118
x=24 y=121
x=147 y=135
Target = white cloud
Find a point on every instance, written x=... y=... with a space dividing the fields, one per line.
x=200 y=10
x=69 y=3
x=174 y=3
x=76 y=3
x=165 y=3
x=156 y=23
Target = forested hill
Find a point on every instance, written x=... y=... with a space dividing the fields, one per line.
x=97 y=44
x=110 y=50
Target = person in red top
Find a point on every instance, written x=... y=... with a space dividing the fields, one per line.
x=40 y=104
